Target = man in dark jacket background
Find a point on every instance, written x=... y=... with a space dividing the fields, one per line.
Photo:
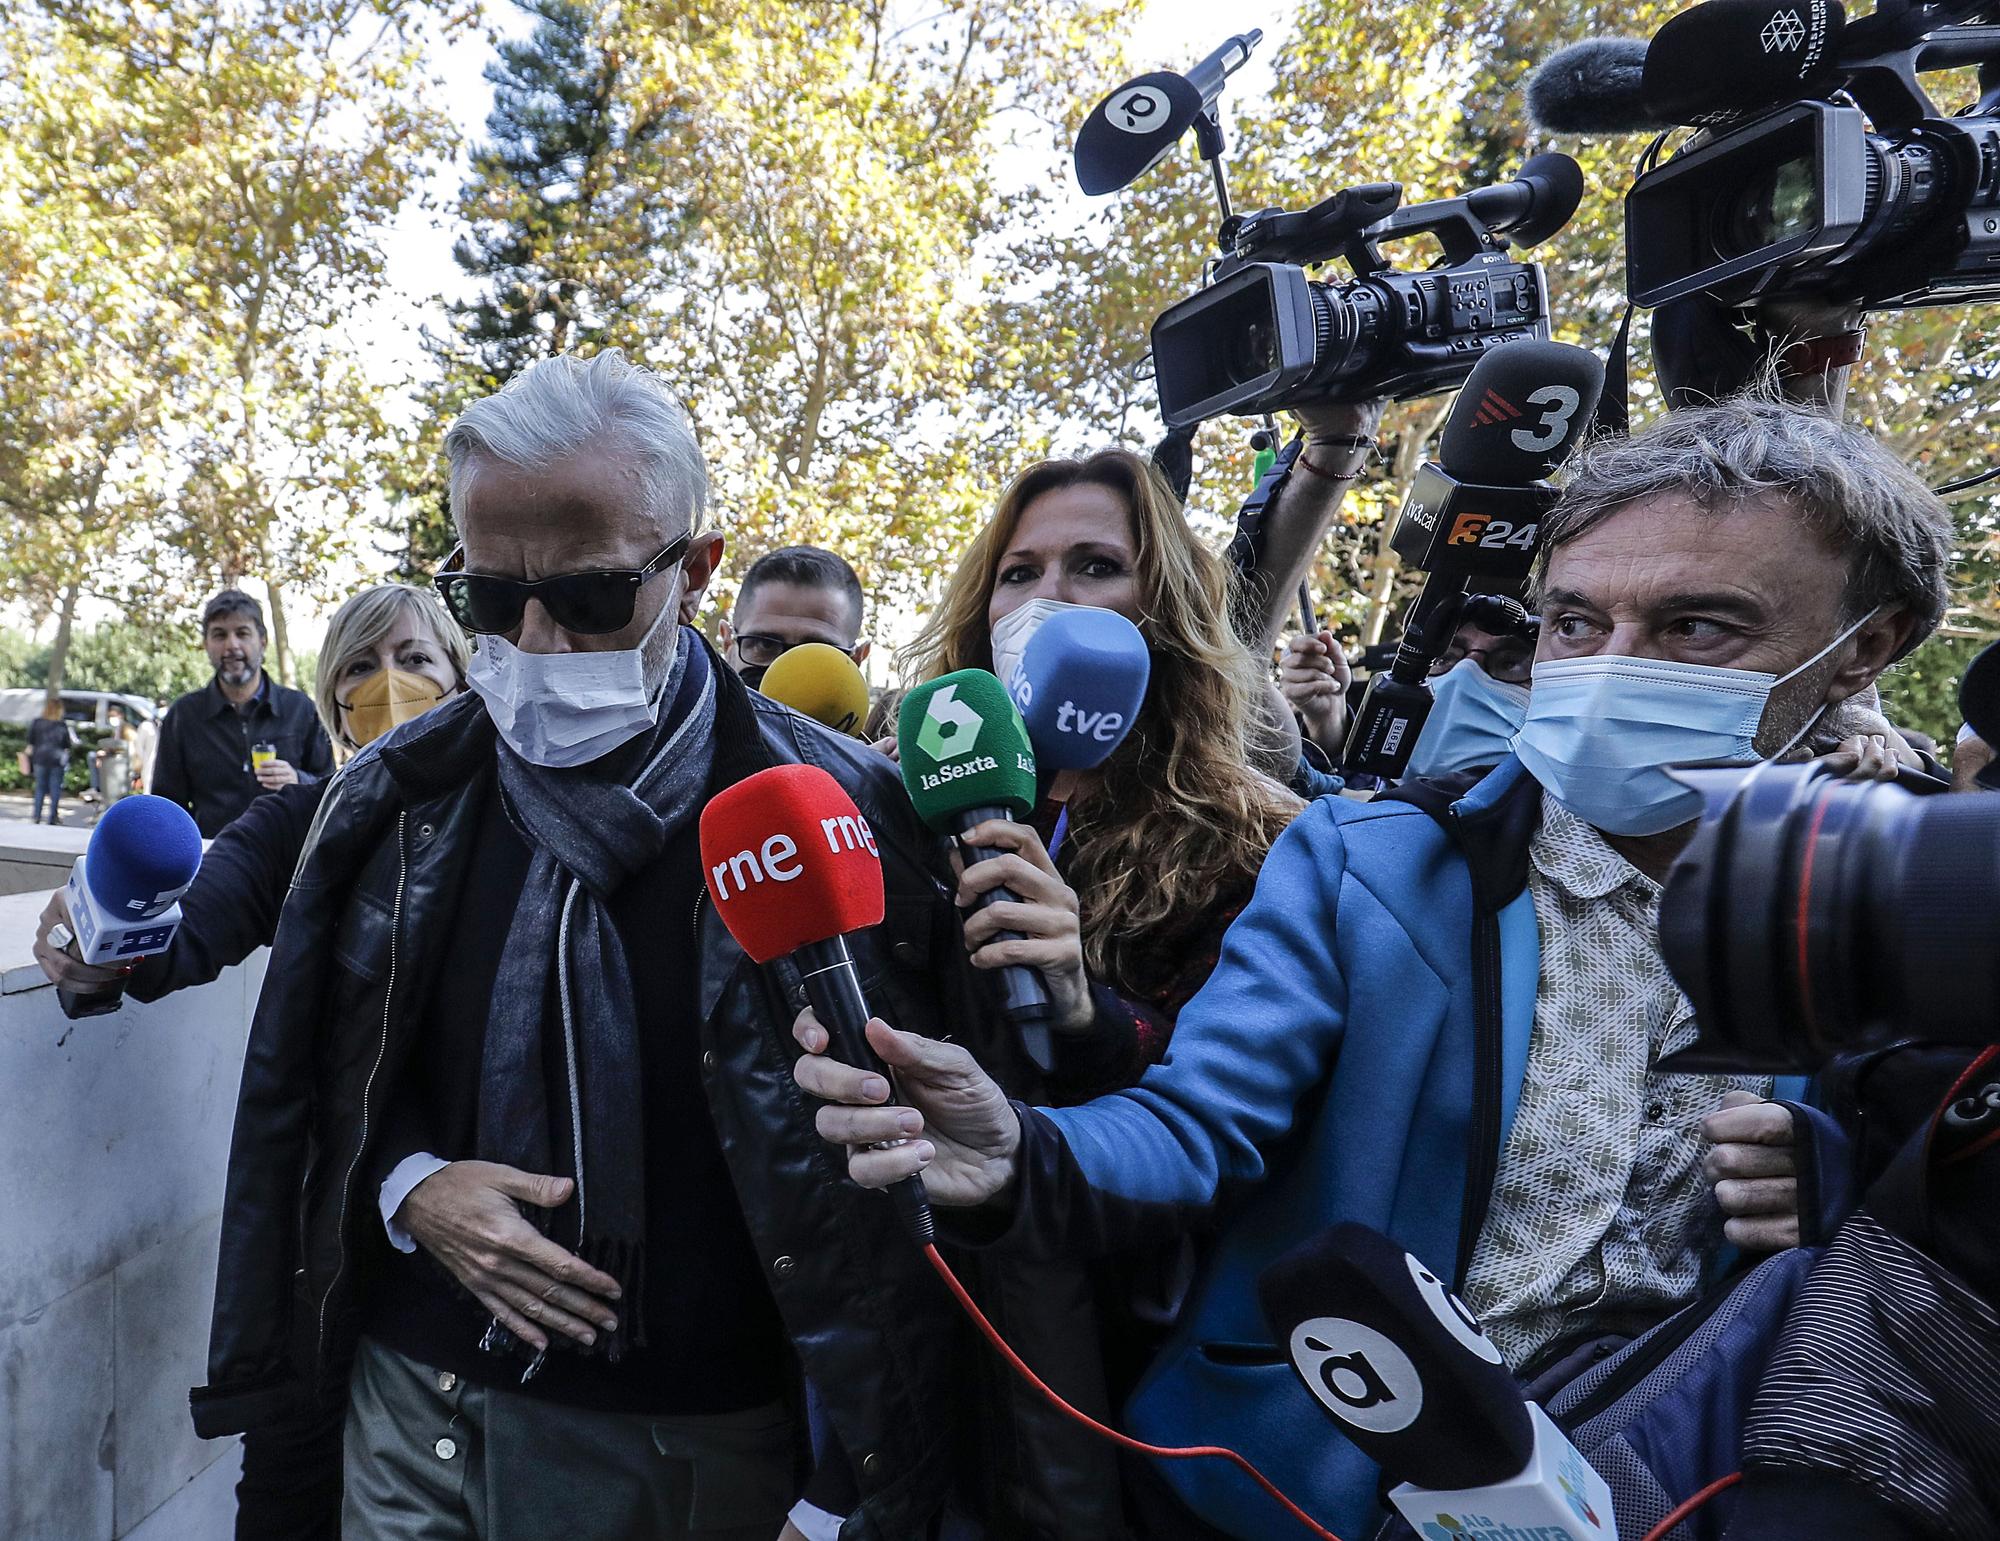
x=565 y=1215
x=240 y=734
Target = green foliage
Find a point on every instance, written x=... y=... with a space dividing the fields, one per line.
x=138 y=658
x=129 y=657
x=1922 y=691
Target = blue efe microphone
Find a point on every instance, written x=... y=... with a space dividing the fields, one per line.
x=124 y=892
x=1079 y=686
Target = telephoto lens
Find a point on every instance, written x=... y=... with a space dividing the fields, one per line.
x=1811 y=917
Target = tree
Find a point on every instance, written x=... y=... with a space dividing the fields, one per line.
x=828 y=297
x=307 y=129
x=568 y=201
x=91 y=326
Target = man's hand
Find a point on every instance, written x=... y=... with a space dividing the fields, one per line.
x=1871 y=757
x=1323 y=420
x=273 y=774
x=1043 y=911
x=969 y=1134
x=1754 y=1172
x=1314 y=677
x=59 y=964
x=467 y=1216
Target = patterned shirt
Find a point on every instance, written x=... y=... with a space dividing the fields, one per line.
x=1599 y=1209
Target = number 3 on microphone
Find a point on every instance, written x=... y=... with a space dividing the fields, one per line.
x=1559 y=404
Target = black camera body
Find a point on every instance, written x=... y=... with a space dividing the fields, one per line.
x=1262 y=335
x=1861 y=193
x=1811 y=917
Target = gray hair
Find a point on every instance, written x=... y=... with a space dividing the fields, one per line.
x=556 y=406
x=1897 y=533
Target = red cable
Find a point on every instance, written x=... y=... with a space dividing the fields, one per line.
x=1681 y=1511
x=992 y=1335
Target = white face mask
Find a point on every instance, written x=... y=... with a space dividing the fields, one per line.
x=565 y=709
x=1012 y=631
x=1600 y=732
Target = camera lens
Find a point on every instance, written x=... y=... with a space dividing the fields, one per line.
x=1775 y=206
x=1812 y=916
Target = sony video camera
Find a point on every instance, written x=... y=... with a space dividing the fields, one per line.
x=1823 y=170
x=1260 y=334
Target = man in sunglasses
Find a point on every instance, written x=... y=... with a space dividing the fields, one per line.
x=519 y=1168
x=792 y=595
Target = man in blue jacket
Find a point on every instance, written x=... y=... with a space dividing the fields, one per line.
x=1443 y=1012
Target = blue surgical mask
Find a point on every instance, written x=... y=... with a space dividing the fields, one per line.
x=1473 y=720
x=1601 y=730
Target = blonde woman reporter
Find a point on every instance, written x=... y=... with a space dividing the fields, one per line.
x=1163 y=842
x=391 y=653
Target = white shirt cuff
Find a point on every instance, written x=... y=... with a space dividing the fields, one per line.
x=410 y=1171
x=814 y=1523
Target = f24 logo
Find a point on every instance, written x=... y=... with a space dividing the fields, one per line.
x=1491 y=534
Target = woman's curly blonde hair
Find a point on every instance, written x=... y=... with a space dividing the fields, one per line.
x=1177 y=821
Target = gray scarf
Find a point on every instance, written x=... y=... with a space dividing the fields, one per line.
x=588 y=829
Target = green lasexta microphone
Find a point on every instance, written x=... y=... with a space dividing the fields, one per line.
x=966 y=759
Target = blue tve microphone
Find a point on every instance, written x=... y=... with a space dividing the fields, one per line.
x=1079 y=686
x=124 y=893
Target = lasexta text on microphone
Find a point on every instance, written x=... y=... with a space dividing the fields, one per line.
x=966 y=759
x=124 y=892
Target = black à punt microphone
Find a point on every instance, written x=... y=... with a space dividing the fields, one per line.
x=1410 y=1377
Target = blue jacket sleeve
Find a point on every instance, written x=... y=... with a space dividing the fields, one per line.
x=232 y=908
x=1254 y=1041
x=1825 y=1159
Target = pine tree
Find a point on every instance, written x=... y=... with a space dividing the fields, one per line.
x=567 y=204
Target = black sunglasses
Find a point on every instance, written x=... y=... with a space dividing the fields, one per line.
x=590 y=604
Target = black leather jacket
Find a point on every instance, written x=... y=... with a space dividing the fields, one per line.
x=357 y=953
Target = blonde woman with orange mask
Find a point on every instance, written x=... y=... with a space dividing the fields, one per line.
x=391 y=653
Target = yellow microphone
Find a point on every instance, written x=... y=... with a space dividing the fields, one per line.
x=822 y=683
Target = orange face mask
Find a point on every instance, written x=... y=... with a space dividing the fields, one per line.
x=385 y=699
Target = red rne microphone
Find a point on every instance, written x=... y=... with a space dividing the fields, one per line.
x=793 y=867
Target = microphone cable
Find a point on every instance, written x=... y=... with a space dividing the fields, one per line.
x=1123 y=1441
x=1687 y=1506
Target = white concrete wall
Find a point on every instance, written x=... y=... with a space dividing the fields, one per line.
x=35 y=858
x=114 y=1133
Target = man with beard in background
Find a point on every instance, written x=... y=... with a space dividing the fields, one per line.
x=240 y=734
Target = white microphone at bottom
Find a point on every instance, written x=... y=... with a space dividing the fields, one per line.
x=1408 y=1374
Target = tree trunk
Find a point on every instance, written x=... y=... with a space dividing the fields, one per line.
x=281 y=644
x=1381 y=595
x=65 y=627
